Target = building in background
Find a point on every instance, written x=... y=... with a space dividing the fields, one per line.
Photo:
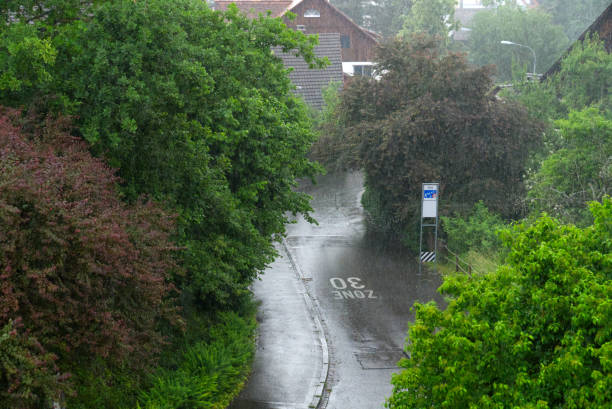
x=309 y=83
x=315 y=17
x=355 y=44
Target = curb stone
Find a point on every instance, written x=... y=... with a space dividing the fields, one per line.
x=315 y=314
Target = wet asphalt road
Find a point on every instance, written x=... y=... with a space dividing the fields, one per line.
x=364 y=292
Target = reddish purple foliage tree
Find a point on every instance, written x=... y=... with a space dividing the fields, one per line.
x=83 y=271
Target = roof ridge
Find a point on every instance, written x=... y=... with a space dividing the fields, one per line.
x=374 y=36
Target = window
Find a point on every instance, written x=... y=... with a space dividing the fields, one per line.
x=312 y=13
x=301 y=27
x=345 y=41
x=362 y=70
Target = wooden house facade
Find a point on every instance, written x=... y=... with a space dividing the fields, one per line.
x=319 y=16
x=315 y=17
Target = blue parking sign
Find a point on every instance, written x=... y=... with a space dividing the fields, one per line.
x=430 y=194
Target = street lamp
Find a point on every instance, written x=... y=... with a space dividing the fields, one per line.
x=526 y=46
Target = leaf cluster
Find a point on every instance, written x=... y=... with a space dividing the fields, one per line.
x=536 y=333
x=209 y=371
x=509 y=22
x=430 y=118
x=477 y=231
x=28 y=374
x=193 y=108
x=85 y=273
x=578 y=172
x=430 y=17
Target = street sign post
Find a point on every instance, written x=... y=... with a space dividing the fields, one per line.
x=430 y=193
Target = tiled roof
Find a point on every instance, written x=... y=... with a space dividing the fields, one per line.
x=254 y=7
x=310 y=82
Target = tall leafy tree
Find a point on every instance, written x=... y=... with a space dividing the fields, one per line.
x=536 y=333
x=355 y=9
x=574 y=16
x=577 y=173
x=382 y=16
x=387 y=16
x=585 y=77
x=193 y=108
x=432 y=17
x=509 y=22
x=430 y=117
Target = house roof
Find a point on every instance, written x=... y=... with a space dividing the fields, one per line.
x=253 y=7
x=602 y=25
x=310 y=82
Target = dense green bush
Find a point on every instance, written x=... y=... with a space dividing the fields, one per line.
x=536 y=333
x=476 y=231
x=578 y=172
x=210 y=373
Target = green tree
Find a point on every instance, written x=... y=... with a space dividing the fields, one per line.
x=432 y=17
x=574 y=16
x=509 y=22
x=355 y=9
x=194 y=109
x=577 y=173
x=430 y=118
x=30 y=33
x=536 y=333
x=585 y=77
x=49 y=12
x=477 y=231
x=387 y=16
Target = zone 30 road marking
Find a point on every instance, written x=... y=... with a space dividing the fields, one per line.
x=356 y=290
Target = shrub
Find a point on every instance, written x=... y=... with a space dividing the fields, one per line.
x=427 y=107
x=536 y=333
x=477 y=231
x=28 y=374
x=84 y=272
x=211 y=373
x=577 y=173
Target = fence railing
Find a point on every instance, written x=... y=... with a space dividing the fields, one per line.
x=460 y=264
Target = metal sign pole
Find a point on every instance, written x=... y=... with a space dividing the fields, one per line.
x=421 y=235
x=436 y=238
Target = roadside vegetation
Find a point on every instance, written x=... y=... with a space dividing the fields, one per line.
x=525 y=184
x=149 y=151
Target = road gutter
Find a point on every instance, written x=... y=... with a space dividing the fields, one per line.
x=315 y=315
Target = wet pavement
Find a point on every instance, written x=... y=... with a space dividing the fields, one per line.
x=362 y=293
x=288 y=362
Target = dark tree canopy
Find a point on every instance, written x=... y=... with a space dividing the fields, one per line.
x=431 y=118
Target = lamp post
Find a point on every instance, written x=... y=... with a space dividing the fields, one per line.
x=526 y=46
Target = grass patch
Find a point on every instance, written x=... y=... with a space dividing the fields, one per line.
x=481 y=262
x=209 y=374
